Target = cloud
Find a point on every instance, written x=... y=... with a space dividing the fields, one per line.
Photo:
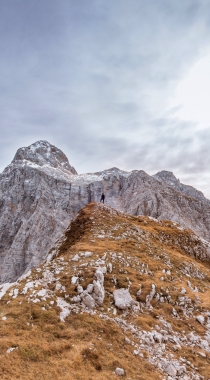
x=98 y=78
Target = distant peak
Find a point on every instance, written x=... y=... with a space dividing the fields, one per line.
x=43 y=153
x=166 y=176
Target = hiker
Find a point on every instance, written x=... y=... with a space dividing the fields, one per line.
x=102 y=197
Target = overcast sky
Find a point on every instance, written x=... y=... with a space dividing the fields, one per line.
x=121 y=83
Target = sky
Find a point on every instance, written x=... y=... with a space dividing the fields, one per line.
x=122 y=83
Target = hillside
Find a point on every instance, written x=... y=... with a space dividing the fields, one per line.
x=119 y=295
x=41 y=193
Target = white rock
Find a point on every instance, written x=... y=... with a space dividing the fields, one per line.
x=119 y=371
x=123 y=299
x=88 y=254
x=88 y=301
x=138 y=293
x=65 y=308
x=76 y=299
x=75 y=258
x=98 y=288
x=200 y=319
x=99 y=275
x=43 y=292
x=89 y=288
x=174 y=312
x=150 y=296
x=183 y=291
x=79 y=289
x=74 y=280
x=157 y=337
x=202 y=354
x=98 y=293
x=15 y=292
x=170 y=369
x=11 y=349
x=109 y=267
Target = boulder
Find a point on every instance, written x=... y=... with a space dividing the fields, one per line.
x=119 y=371
x=123 y=299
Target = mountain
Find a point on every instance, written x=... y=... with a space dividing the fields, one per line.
x=118 y=295
x=41 y=193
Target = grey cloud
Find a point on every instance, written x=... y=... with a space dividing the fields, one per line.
x=94 y=78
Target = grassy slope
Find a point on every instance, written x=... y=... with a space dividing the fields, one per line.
x=88 y=346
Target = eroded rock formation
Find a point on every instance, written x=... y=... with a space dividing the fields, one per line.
x=40 y=193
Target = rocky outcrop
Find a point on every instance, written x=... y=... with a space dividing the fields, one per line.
x=123 y=299
x=93 y=296
x=146 y=313
x=41 y=193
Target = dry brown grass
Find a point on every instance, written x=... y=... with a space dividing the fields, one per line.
x=88 y=347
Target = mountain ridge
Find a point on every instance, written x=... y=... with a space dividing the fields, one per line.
x=40 y=194
x=121 y=297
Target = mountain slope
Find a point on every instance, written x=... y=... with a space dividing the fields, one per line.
x=123 y=294
x=40 y=193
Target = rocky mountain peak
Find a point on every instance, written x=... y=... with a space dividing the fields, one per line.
x=43 y=153
x=167 y=176
x=39 y=197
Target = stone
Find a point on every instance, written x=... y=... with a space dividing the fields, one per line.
x=200 y=319
x=123 y=299
x=89 y=288
x=150 y=296
x=74 y=280
x=79 y=289
x=170 y=370
x=202 y=354
x=119 y=371
x=138 y=293
x=174 y=312
x=88 y=254
x=93 y=296
x=98 y=293
x=109 y=267
x=88 y=301
x=75 y=258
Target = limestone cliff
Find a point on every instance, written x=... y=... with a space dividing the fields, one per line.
x=40 y=193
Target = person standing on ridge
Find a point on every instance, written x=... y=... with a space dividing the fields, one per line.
x=102 y=197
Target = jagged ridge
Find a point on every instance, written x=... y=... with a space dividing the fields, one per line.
x=40 y=194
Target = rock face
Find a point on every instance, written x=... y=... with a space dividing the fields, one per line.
x=40 y=193
x=42 y=153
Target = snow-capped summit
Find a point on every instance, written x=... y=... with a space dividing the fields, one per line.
x=43 y=153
